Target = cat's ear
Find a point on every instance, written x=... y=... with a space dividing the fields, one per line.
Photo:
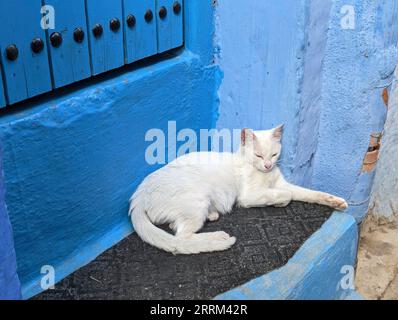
x=278 y=132
x=247 y=136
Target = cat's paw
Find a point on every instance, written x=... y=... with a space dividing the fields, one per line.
x=232 y=240
x=213 y=216
x=341 y=204
x=337 y=203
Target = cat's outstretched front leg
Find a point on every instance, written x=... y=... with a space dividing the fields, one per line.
x=311 y=196
x=265 y=197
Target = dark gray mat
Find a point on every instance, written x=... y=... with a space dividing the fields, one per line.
x=266 y=239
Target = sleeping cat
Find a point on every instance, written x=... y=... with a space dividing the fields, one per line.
x=201 y=186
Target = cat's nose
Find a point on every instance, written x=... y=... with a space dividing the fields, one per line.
x=268 y=165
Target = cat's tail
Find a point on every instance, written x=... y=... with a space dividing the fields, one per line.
x=156 y=237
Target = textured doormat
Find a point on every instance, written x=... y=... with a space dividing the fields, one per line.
x=266 y=239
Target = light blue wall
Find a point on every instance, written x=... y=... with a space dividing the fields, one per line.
x=314 y=46
x=291 y=61
x=358 y=64
x=72 y=162
x=261 y=54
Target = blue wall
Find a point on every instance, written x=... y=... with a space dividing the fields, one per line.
x=314 y=46
x=261 y=58
x=9 y=282
x=291 y=61
x=72 y=162
x=358 y=64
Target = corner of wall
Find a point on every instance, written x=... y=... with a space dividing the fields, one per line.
x=314 y=46
x=202 y=42
x=9 y=281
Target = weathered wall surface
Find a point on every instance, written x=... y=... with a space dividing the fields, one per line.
x=358 y=63
x=317 y=17
x=384 y=200
x=9 y=282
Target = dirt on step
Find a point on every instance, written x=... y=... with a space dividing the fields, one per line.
x=377 y=270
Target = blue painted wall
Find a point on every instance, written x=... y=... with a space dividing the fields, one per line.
x=9 y=282
x=262 y=64
x=358 y=64
x=293 y=62
x=72 y=162
x=314 y=46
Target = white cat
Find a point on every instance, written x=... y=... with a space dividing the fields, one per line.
x=201 y=186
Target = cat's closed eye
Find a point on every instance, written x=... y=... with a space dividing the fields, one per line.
x=274 y=155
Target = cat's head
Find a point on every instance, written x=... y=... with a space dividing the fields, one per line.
x=262 y=149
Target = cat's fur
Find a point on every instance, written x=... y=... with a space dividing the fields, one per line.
x=201 y=186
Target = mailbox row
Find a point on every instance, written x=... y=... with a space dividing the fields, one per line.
x=88 y=37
